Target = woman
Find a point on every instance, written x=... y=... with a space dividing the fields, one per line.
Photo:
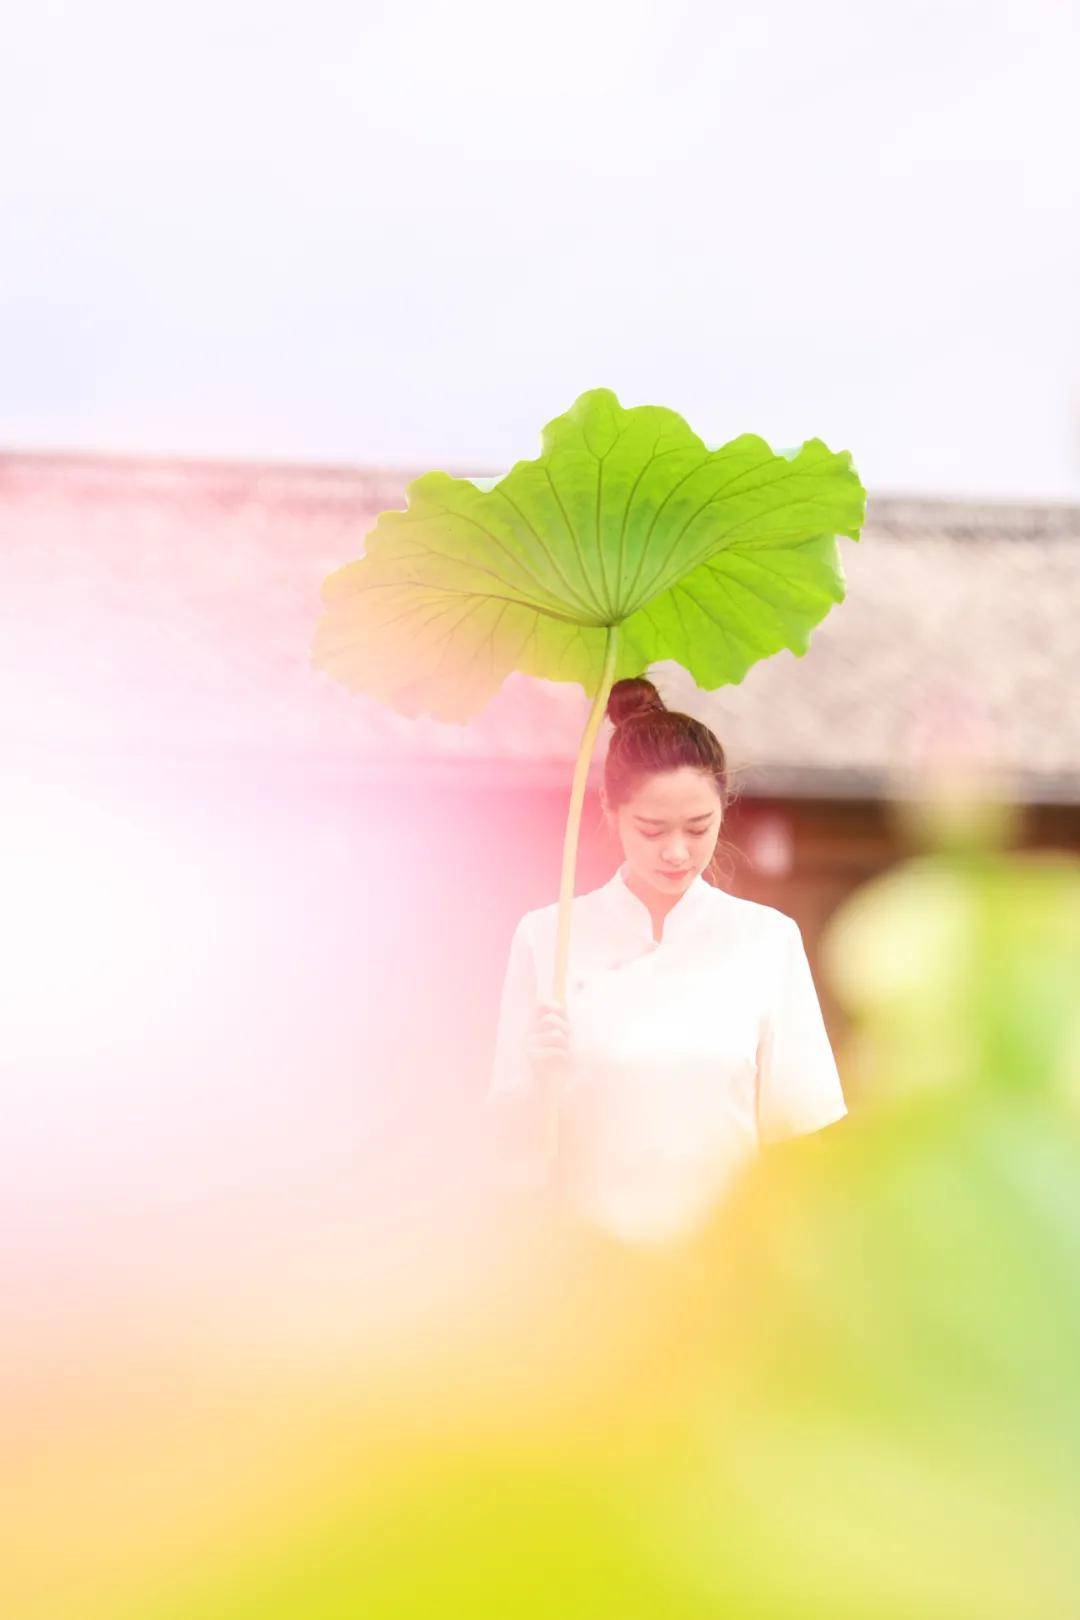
x=692 y=1030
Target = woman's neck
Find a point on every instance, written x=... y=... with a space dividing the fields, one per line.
x=657 y=904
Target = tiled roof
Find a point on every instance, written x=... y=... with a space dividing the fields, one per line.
x=169 y=605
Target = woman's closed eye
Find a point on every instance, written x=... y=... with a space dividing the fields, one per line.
x=699 y=834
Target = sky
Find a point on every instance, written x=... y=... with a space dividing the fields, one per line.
x=410 y=233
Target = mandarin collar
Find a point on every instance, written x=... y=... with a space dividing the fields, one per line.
x=633 y=914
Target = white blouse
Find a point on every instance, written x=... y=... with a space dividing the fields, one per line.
x=684 y=1053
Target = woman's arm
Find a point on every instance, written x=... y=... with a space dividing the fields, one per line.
x=798 y=1083
x=531 y=1042
x=511 y=1072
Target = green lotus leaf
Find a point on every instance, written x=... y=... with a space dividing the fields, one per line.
x=715 y=558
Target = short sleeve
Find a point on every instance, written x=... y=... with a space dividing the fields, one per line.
x=798 y=1083
x=511 y=1070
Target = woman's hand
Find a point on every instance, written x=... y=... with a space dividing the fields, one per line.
x=549 y=1041
x=530 y=1129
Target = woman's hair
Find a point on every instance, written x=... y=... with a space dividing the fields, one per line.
x=649 y=738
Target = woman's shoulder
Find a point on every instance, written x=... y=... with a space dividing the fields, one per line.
x=750 y=920
x=542 y=919
x=739 y=912
x=725 y=912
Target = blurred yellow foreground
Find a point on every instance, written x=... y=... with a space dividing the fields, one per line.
x=855 y=1394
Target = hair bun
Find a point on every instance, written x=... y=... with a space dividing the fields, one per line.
x=630 y=698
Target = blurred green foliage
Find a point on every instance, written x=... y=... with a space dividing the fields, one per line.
x=855 y=1394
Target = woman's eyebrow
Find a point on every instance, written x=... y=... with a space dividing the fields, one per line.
x=651 y=821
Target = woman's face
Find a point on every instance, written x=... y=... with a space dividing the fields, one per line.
x=668 y=829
